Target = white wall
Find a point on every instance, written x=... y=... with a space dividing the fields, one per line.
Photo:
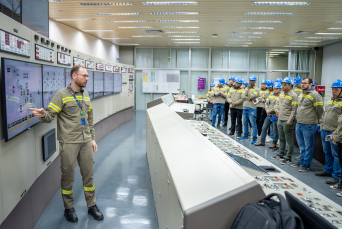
x=332 y=64
x=83 y=42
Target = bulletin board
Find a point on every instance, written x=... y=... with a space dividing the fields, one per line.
x=161 y=81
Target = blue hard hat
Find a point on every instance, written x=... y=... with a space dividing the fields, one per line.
x=222 y=81
x=232 y=78
x=279 y=80
x=264 y=81
x=236 y=79
x=239 y=80
x=269 y=83
x=277 y=85
x=252 y=77
x=337 y=83
x=246 y=83
x=297 y=80
x=273 y=118
x=313 y=83
x=212 y=85
x=287 y=80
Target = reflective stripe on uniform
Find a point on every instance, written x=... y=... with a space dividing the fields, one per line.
x=65 y=192
x=53 y=106
x=89 y=189
x=297 y=89
x=294 y=103
x=318 y=104
x=90 y=108
x=286 y=97
x=306 y=96
x=273 y=97
x=330 y=102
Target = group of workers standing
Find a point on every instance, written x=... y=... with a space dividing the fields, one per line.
x=282 y=109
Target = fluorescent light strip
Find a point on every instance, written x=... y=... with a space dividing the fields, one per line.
x=107 y=4
x=169 y=3
x=237 y=45
x=75 y=19
x=148 y=36
x=305 y=41
x=261 y=21
x=180 y=27
x=276 y=52
x=322 y=38
x=249 y=33
x=126 y=44
x=254 y=27
x=99 y=30
x=338 y=21
x=301 y=44
x=240 y=40
x=177 y=20
x=241 y=43
x=117 y=14
x=136 y=27
x=115 y=38
x=174 y=13
x=55 y=0
x=126 y=21
x=182 y=36
x=281 y=3
x=185 y=39
x=290 y=46
x=182 y=32
x=268 y=13
x=335 y=28
x=185 y=42
x=244 y=37
x=329 y=33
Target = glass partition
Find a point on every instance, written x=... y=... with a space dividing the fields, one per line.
x=238 y=59
x=143 y=58
x=199 y=58
x=279 y=59
x=220 y=58
x=161 y=58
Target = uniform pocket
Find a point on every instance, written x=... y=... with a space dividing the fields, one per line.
x=71 y=108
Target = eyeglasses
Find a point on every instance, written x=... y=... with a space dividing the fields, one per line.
x=83 y=75
x=305 y=83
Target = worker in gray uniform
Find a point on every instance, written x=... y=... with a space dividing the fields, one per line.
x=76 y=136
x=236 y=102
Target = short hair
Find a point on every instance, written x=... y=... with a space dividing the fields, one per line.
x=310 y=80
x=75 y=69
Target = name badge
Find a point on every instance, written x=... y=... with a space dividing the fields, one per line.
x=83 y=122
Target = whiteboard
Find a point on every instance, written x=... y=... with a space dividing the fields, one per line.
x=161 y=81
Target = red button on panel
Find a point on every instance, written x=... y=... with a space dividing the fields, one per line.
x=300 y=194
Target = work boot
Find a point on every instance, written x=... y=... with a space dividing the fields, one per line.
x=231 y=133
x=272 y=146
x=224 y=125
x=95 y=212
x=332 y=180
x=323 y=174
x=259 y=144
x=239 y=135
x=70 y=215
x=218 y=127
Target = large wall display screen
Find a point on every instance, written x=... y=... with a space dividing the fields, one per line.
x=21 y=90
x=90 y=85
x=13 y=44
x=98 y=84
x=117 y=83
x=108 y=83
x=53 y=80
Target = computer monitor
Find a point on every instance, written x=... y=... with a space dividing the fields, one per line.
x=49 y=144
x=311 y=219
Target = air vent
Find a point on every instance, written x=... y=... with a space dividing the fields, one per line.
x=305 y=32
x=154 y=31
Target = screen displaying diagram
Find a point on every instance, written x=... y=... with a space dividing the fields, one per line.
x=90 y=85
x=22 y=89
x=161 y=81
x=117 y=83
x=108 y=83
x=98 y=84
x=53 y=80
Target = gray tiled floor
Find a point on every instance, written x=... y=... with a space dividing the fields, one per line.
x=122 y=181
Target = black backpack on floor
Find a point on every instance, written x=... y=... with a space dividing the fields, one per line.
x=268 y=214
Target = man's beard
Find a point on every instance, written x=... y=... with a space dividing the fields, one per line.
x=79 y=83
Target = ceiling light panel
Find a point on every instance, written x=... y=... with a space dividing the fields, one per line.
x=107 y=4
x=180 y=27
x=75 y=19
x=182 y=32
x=99 y=30
x=126 y=44
x=335 y=28
x=302 y=44
x=244 y=37
x=290 y=46
x=338 y=22
x=182 y=36
x=174 y=13
x=329 y=33
x=241 y=43
x=139 y=21
x=148 y=36
x=254 y=27
x=322 y=38
x=237 y=45
x=305 y=41
x=117 y=14
x=135 y=27
x=240 y=40
x=281 y=3
x=169 y=3
x=185 y=39
x=115 y=38
x=268 y=13
x=249 y=33
x=177 y=20
x=187 y=42
x=261 y=21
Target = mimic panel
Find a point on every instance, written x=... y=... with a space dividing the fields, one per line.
x=108 y=83
x=22 y=89
x=53 y=80
x=14 y=44
x=89 y=64
x=45 y=54
x=98 y=84
x=63 y=59
x=90 y=84
x=117 y=83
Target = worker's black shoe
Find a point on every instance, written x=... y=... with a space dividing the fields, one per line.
x=239 y=135
x=224 y=125
x=95 y=212
x=231 y=133
x=70 y=215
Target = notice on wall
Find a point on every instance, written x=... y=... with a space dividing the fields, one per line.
x=63 y=59
x=13 y=44
x=161 y=81
x=201 y=83
x=321 y=90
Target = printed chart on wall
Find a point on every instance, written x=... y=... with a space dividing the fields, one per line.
x=161 y=81
x=22 y=89
x=53 y=80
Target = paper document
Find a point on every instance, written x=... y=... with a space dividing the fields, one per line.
x=256 y=101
